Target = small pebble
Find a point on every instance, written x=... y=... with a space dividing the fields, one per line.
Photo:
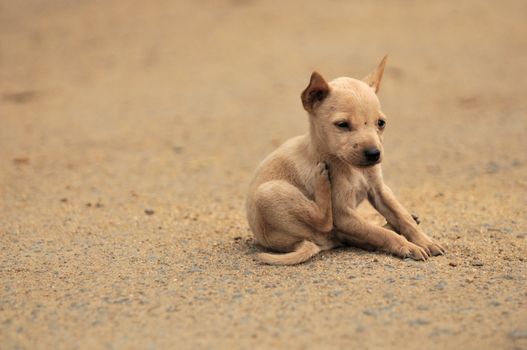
x=21 y=160
x=440 y=285
x=418 y=322
x=518 y=334
x=177 y=149
x=149 y=212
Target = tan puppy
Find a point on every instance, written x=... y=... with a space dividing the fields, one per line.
x=304 y=195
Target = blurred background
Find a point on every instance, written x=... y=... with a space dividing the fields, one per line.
x=129 y=131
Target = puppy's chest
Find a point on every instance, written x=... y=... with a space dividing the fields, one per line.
x=349 y=190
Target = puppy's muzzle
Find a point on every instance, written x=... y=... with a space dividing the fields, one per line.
x=371 y=156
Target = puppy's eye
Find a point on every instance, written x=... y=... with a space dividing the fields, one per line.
x=381 y=123
x=342 y=125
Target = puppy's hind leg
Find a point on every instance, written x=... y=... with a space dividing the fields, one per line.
x=291 y=222
x=323 y=197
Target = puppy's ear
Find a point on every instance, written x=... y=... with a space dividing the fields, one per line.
x=374 y=78
x=315 y=92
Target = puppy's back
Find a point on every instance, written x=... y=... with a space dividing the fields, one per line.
x=288 y=163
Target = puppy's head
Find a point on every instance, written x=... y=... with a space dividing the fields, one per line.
x=346 y=117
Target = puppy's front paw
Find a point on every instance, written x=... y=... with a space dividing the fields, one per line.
x=412 y=251
x=431 y=247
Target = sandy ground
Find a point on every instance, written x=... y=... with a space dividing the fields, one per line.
x=129 y=132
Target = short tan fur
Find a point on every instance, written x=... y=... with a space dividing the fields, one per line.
x=303 y=198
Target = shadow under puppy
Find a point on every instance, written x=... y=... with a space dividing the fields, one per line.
x=304 y=195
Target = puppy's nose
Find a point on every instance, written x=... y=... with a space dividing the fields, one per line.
x=372 y=154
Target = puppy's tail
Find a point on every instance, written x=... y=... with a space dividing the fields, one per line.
x=304 y=251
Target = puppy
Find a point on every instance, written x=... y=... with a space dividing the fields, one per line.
x=304 y=195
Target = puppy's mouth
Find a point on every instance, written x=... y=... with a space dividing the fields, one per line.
x=367 y=163
x=361 y=163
